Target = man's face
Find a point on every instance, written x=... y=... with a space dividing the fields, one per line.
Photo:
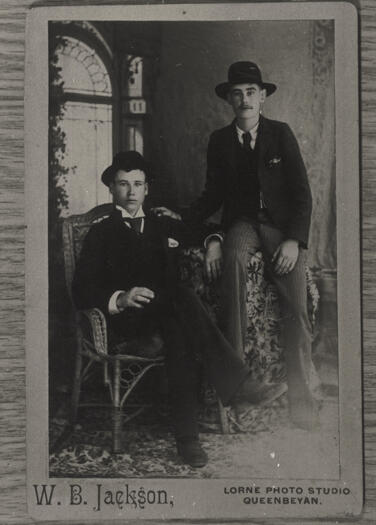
x=129 y=189
x=246 y=100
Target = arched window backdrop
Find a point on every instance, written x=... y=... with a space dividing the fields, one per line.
x=87 y=123
x=90 y=108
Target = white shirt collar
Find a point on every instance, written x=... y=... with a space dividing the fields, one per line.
x=126 y=215
x=253 y=131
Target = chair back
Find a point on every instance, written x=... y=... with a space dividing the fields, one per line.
x=75 y=229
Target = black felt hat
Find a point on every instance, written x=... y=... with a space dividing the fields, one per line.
x=244 y=73
x=126 y=161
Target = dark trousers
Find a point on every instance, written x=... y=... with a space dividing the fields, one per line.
x=242 y=240
x=192 y=340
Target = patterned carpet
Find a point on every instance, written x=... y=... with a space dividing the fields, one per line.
x=258 y=435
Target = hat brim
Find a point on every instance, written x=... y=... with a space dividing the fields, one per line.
x=108 y=175
x=223 y=88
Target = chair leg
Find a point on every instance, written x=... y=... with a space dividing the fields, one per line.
x=223 y=418
x=76 y=390
x=116 y=410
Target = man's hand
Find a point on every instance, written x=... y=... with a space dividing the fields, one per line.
x=285 y=256
x=161 y=210
x=136 y=297
x=213 y=259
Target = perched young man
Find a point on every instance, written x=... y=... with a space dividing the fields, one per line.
x=256 y=172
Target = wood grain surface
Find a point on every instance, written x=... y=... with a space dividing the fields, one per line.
x=12 y=235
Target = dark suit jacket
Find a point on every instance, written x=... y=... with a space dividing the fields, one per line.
x=107 y=262
x=282 y=177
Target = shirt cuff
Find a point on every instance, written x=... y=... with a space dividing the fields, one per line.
x=211 y=237
x=112 y=306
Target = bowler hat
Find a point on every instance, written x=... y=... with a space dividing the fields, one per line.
x=244 y=73
x=126 y=161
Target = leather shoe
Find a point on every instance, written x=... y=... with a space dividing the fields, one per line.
x=192 y=453
x=261 y=394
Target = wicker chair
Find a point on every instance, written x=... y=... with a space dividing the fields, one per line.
x=121 y=372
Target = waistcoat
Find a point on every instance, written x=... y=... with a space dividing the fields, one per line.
x=248 y=197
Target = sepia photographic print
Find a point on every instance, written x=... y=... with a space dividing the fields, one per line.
x=193 y=280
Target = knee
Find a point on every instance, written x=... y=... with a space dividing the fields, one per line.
x=237 y=255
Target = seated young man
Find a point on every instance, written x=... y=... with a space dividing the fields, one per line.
x=128 y=269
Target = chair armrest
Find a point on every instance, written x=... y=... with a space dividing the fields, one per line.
x=93 y=326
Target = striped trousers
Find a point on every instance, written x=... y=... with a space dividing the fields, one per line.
x=242 y=240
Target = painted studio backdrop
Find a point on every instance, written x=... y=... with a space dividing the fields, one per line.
x=149 y=86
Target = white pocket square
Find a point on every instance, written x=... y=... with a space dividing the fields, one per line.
x=172 y=243
x=274 y=161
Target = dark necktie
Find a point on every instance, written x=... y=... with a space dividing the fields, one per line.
x=135 y=224
x=247 y=141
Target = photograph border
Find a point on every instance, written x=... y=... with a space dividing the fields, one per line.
x=348 y=250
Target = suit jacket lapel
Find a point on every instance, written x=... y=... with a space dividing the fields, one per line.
x=264 y=138
x=154 y=227
x=151 y=226
x=232 y=143
x=122 y=233
x=118 y=223
x=117 y=220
